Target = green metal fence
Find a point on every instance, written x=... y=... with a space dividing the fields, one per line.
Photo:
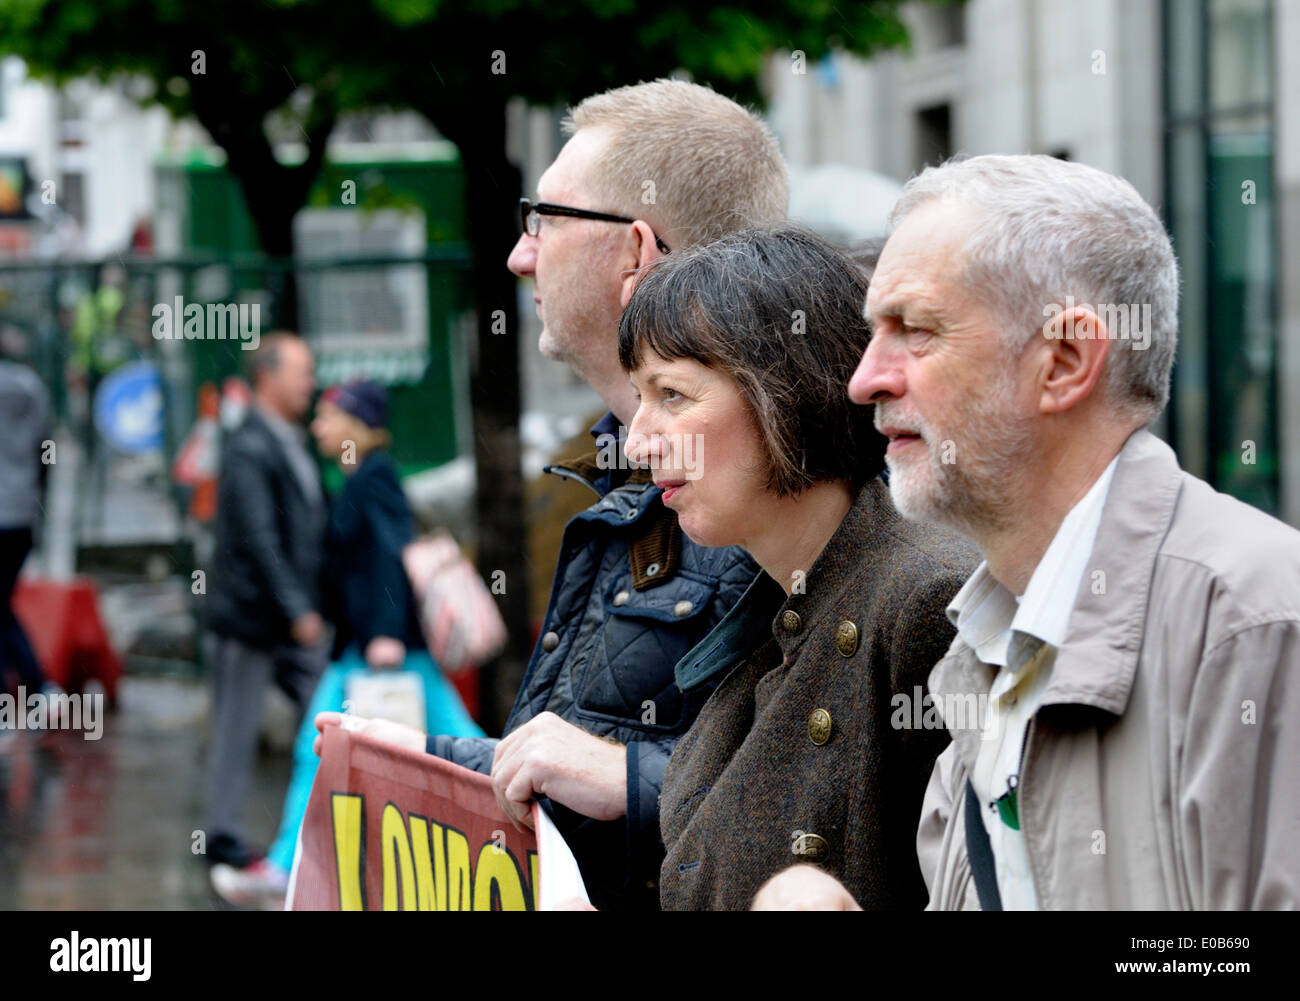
x=397 y=319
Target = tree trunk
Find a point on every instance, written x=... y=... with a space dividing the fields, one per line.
x=273 y=192
x=492 y=192
x=275 y=235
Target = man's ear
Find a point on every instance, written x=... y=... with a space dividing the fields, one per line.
x=1077 y=345
x=641 y=251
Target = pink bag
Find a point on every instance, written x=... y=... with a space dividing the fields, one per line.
x=460 y=619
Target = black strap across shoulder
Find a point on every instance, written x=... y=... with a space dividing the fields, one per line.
x=980 y=853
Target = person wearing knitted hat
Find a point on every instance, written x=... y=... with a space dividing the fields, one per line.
x=374 y=611
x=370 y=522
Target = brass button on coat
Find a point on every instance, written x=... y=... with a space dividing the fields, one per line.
x=819 y=726
x=683 y=609
x=846 y=638
x=790 y=621
x=811 y=847
x=550 y=641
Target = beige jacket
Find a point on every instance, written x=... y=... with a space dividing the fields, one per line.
x=1162 y=770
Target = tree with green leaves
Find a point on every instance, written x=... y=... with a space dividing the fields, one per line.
x=459 y=63
x=233 y=66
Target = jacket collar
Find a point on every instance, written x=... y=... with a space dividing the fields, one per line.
x=1097 y=663
x=731 y=641
x=281 y=435
x=628 y=497
x=604 y=468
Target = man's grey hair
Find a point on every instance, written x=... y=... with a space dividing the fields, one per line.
x=1050 y=229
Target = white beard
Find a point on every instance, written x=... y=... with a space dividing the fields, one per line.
x=973 y=492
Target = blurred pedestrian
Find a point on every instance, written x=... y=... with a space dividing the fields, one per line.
x=374 y=610
x=25 y=417
x=264 y=594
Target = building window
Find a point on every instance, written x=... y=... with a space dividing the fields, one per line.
x=72 y=195
x=936 y=26
x=933 y=135
x=1219 y=143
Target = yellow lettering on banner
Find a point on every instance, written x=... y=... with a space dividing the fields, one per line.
x=458 y=875
x=532 y=871
x=397 y=860
x=439 y=836
x=498 y=866
x=349 y=834
x=430 y=864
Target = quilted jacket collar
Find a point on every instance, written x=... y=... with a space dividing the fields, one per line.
x=604 y=469
x=628 y=497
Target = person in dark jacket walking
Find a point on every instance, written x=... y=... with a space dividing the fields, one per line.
x=797 y=755
x=370 y=523
x=370 y=600
x=598 y=713
x=264 y=612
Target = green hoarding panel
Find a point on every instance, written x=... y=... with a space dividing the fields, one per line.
x=422 y=383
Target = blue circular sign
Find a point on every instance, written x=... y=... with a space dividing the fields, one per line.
x=129 y=408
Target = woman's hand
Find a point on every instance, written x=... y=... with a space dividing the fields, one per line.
x=378 y=729
x=384 y=653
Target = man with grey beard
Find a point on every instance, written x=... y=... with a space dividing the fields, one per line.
x=1134 y=635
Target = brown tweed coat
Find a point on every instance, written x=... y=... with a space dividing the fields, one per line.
x=794 y=758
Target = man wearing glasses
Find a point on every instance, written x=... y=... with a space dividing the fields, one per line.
x=650 y=167
x=530 y=217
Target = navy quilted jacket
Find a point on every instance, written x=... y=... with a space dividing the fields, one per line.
x=632 y=595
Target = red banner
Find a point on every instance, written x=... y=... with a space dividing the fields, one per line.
x=391 y=829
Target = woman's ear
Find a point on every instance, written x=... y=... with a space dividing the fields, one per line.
x=642 y=252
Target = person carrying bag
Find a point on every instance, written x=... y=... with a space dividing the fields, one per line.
x=381 y=664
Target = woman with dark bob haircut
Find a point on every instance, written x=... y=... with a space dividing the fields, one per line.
x=741 y=353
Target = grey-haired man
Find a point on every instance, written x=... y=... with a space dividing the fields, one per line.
x=1133 y=636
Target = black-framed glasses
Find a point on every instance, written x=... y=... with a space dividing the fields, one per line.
x=530 y=217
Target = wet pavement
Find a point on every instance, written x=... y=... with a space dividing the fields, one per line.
x=109 y=824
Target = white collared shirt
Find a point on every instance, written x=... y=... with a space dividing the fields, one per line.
x=1021 y=636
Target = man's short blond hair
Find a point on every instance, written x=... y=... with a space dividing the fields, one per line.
x=693 y=164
